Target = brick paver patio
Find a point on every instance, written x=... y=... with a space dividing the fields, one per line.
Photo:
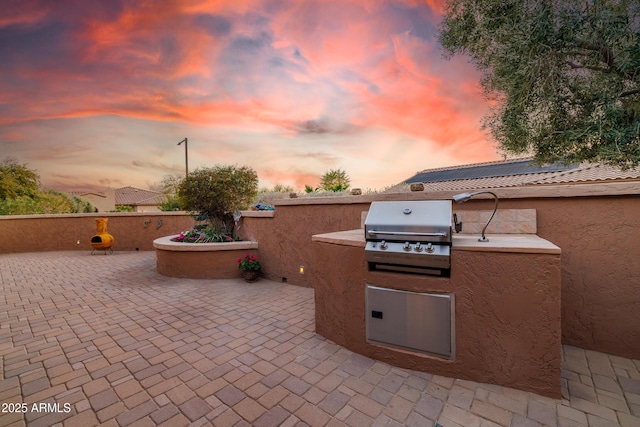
x=107 y=340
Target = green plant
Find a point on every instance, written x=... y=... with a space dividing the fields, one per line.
x=122 y=208
x=249 y=263
x=562 y=76
x=172 y=203
x=203 y=236
x=335 y=180
x=218 y=192
x=17 y=180
x=22 y=205
x=44 y=202
x=278 y=188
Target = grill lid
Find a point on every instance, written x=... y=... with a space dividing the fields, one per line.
x=427 y=221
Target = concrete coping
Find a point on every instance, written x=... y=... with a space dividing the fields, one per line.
x=258 y=214
x=513 y=243
x=599 y=189
x=165 y=244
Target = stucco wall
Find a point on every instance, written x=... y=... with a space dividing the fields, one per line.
x=64 y=232
x=201 y=265
x=285 y=239
x=597 y=226
x=507 y=317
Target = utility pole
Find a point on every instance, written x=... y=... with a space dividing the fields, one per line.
x=186 y=157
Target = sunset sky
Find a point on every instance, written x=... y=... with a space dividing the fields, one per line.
x=97 y=94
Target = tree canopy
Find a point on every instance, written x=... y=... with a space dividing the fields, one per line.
x=17 y=180
x=335 y=180
x=20 y=193
x=563 y=75
x=218 y=192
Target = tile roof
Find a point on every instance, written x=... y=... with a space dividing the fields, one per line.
x=86 y=193
x=514 y=173
x=132 y=196
x=590 y=172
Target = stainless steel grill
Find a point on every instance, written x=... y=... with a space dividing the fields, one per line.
x=409 y=236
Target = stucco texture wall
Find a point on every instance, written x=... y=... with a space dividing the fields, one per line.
x=507 y=314
x=285 y=239
x=131 y=231
x=201 y=265
x=600 y=241
x=596 y=226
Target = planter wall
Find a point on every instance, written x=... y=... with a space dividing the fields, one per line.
x=201 y=260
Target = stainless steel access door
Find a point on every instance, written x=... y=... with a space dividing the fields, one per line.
x=417 y=321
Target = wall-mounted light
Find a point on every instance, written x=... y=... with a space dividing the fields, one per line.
x=302 y=269
x=463 y=197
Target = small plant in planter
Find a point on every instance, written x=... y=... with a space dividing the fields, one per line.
x=250 y=267
x=207 y=235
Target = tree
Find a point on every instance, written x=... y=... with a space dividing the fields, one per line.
x=335 y=180
x=17 y=180
x=281 y=188
x=20 y=193
x=44 y=202
x=563 y=75
x=218 y=192
x=170 y=185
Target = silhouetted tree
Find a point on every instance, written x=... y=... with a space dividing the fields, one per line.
x=563 y=75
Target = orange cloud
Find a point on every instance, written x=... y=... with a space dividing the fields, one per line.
x=297 y=178
x=298 y=86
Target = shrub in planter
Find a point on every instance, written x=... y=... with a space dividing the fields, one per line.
x=217 y=193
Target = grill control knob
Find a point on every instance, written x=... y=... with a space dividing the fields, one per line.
x=407 y=246
x=418 y=247
x=383 y=245
x=429 y=247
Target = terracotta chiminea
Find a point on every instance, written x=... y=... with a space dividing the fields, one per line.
x=102 y=239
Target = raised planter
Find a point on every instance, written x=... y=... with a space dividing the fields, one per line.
x=201 y=260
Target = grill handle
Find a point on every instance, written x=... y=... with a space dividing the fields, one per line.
x=407 y=233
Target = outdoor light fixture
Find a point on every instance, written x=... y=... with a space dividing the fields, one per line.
x=463 y=197
x=186 y=157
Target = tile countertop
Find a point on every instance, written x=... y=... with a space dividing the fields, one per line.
x=517 y=243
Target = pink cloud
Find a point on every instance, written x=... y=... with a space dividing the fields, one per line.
x=297 y=178
x=326 y=74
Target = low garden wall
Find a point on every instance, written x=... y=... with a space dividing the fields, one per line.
x=201 y=260
x=67 y=232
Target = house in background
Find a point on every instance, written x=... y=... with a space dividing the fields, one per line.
x=103 y=201
x=137 y=199
x=517 y=173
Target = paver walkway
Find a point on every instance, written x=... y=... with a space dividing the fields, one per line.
x=106 y=340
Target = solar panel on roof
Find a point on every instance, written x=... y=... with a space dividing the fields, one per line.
x=488 y=171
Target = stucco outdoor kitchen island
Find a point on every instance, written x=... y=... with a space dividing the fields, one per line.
x=506 y=327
